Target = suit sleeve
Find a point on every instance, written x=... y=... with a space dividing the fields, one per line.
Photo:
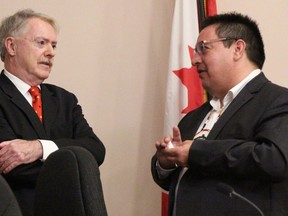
x=74 y=130
x=165 y=182
x=252 y=144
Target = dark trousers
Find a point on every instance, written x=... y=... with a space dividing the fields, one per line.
x=68 y=184
x=8 y=203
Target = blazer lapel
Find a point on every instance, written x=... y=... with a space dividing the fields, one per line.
x=245 y=95
x=50 y=107
x=17 y=98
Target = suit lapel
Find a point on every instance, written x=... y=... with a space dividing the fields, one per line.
x=245 y=95
x=17 y=98
x=50 y=107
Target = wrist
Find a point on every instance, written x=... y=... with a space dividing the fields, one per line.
x=39 y=149
x=167 y=166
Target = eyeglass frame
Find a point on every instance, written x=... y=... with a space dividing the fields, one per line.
x=200 y=47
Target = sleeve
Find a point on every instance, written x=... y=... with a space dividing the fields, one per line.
x=164 y=177
x=72 y=129
x=251 y=145
x=163 y=173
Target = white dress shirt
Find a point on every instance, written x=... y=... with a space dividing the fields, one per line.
x=47 y=145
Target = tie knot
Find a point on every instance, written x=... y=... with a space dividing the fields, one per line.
x=34 y=91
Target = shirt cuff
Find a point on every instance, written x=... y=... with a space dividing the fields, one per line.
x=48 y=148
x=163 y=173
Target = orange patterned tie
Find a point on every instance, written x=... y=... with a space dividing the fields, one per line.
x=36 y=101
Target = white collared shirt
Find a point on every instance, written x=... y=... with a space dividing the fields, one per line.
x=217 y=110
x=47 y=145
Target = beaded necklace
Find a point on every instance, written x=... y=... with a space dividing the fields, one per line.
x=212 y=118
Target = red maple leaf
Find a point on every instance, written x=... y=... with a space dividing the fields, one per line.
x=190 y=79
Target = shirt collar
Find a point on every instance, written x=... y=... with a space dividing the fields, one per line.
x=20 y=85
x=233 y=92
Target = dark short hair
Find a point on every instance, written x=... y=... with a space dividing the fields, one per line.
x=236 y=25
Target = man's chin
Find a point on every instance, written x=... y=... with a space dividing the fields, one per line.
x=204 y=84
x=44 y=74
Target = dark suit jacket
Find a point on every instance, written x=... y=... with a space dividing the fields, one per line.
x=63 y=123
x=247 y=149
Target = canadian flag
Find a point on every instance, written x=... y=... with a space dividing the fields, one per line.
x=184 y=88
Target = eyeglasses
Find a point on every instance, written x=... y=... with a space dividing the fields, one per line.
x=201 y=47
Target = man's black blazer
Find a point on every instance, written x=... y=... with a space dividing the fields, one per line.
x=63 y=123
x=247 y=149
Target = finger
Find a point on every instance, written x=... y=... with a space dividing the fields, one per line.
x=5 y=143
x=160 y=145
x=164 y=142
x=9 y=167
x=157 y=145
x=3 y=152
x=3 y=166
x=176 y=134
x=168 y=139
x=3 y=160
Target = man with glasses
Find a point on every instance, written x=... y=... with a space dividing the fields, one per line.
x=35 y=125
x=239 y=137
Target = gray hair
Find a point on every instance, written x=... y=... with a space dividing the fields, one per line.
x=15 y=25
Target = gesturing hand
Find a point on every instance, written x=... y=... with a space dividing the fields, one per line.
x=177 y=155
